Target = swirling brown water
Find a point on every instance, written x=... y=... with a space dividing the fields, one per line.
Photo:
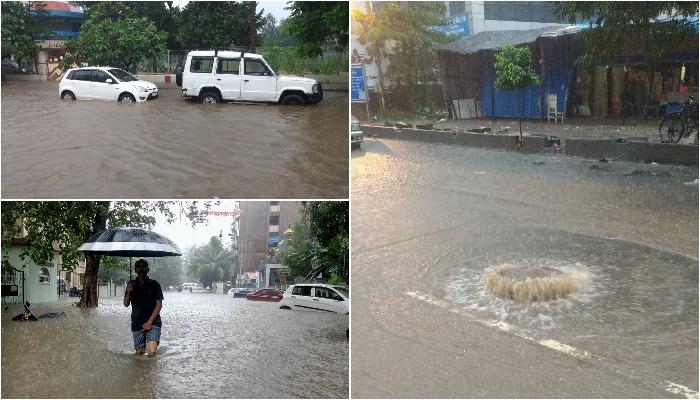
x=170 y=147
x=212 y=346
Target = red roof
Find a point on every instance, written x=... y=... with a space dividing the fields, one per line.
x=58 y=6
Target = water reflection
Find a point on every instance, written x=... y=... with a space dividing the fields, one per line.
x=212 y=346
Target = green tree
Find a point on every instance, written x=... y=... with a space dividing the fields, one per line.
x=167 y=271
x=272 y=34
x=113 y=34
x=22 y=24
x=514 y=71
x=68 y=224
x=161 y=13
x=208 y=24
x=412 y=56
x=646 y=28
x=319 y=25
x=299 y=251
x=320 y=238
x=211 y=262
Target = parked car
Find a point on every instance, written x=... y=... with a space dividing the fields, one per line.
x=240 y=292
x=189 y=286
x=265 y=295
x=317 y=296
x=105 y=83
x=355 y=133
x=217 y=75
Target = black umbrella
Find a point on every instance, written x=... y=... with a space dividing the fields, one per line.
x=130 y=242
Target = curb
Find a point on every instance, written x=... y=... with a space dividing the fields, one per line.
x=663 y=153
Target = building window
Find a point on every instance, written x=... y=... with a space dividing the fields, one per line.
x=456 y=7
x=274 y=220
x=8 y=277
x=274 y=229
x=274 y=203
x=44 y=277
x=523 y=11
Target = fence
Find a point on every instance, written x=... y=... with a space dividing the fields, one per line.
x=282 y=59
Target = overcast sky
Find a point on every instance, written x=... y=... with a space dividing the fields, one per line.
x=276 y=8
x=185 y=236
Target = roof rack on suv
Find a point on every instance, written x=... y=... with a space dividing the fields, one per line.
x=241 y=49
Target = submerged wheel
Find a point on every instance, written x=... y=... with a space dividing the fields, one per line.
x=127 y=98
x=293 y=100
x=209 y=97
x=671 y=129
x=67 y=95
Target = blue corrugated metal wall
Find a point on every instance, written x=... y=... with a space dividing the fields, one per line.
x=558 y=81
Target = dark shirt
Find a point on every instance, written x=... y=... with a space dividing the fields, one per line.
x=143 y=301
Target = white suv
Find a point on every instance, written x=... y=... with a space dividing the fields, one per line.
x=317 y=296
x=216 y=75
x=105 y=83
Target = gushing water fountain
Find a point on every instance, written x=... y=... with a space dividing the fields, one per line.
x=526 y=284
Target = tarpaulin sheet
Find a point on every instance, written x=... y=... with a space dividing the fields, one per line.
x=557 y=81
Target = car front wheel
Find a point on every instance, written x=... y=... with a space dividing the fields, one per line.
x=128 y=98
x=293 y=100
x=67 y=95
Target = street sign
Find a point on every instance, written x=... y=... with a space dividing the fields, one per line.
x=358 y=86
x=458 y=27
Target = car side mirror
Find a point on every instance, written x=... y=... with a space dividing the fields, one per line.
x=108 y=81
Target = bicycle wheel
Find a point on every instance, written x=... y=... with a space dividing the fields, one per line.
x=671 y=129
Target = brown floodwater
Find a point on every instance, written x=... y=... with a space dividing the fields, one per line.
x=170 y=147
x=212 y=346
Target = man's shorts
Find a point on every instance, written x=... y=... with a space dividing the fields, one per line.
x=141 y=337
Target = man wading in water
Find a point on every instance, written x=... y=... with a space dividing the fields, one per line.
x=146 y=298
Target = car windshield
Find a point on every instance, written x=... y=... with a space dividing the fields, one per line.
x=122 y=75
x=343 y=290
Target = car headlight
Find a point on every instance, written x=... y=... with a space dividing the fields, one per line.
x=314 y=88
x=141 y=88
x=355 y=126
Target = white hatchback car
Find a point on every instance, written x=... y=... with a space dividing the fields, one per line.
x=317 y=296
x=105 y=83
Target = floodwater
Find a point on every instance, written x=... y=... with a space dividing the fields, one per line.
x=212 y=346
x=433 y=219
x=170 y=147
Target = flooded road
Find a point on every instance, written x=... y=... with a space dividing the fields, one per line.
x=430 y=221
x=212 y=346
x=170 y=147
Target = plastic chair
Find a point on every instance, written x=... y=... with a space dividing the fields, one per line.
x=552 y=108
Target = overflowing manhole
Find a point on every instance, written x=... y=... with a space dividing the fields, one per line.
x=530 y=283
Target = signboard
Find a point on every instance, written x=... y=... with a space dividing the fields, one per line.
x=458 y=27
x=358 y=86
x=273 y=240
x=52 y=44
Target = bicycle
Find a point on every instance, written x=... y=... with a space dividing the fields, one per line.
x=677 y=125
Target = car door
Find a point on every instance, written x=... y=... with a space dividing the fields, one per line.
x=301 y=298
x=82 y=81
x=101 y=89
x=259 y=83
x=326 y=299
x=228 y=77
x=201 y=72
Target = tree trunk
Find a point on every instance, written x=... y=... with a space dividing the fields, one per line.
x=520 y=114
x=92 y=262
x=380 y=80
x=89 y=296
x=252 y=30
